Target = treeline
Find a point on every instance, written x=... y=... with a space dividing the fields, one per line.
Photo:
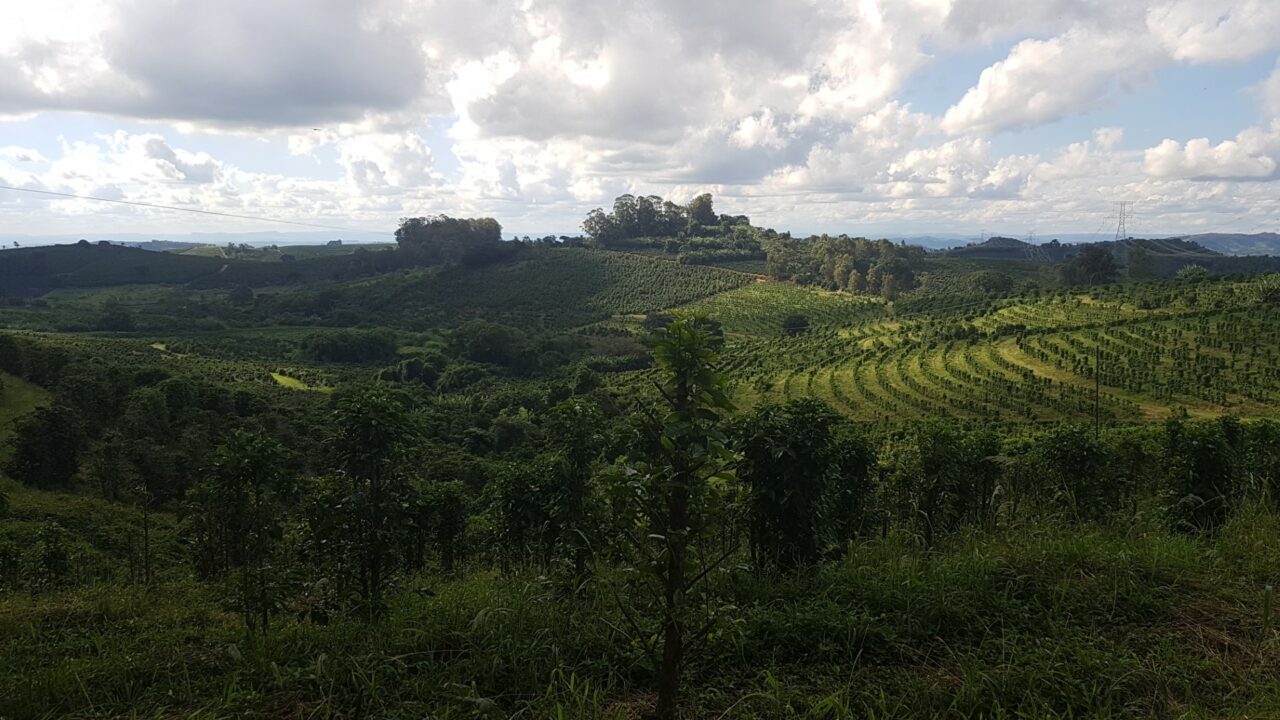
x=662 y=497
x=647 y=216
x=695 y=234
x=855 y=265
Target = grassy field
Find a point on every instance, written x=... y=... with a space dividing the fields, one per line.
x=1124 y=622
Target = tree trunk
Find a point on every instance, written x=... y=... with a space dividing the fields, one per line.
x=673 y=622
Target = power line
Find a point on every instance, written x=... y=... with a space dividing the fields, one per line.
x=191 y=210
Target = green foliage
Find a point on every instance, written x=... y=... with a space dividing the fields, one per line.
x=1201 y=465
x=350 y=346
x=795 y=324
x=680 y=489
x=469 y=242
x=362 y=515
x=790 y=463
x=939 y=479
x=445 y=506
x=485 y=342
x=855 y=265
x=233 y=519
x=1192 y=273
x=1076 y=465
x=1093 y=265
x=46 y=446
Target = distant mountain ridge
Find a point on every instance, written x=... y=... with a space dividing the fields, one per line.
x=1239 y=243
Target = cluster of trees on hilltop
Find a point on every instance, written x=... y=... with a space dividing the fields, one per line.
x=856 y=265
x=650 y=216
x=440 y=239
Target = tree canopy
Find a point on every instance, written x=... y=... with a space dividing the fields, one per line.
x=452 y=241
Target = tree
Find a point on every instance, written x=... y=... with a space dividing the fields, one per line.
x=485 y=342
x=939 y=477
x=241 y=294
x=116 y=317
x=1094 y=265
x=46 y=447
x=795 y=324
x=600 y=227
x=234 y=512
x=453 y=241
x=1269 y=289
x=573 y=428
x=678 y=488
x=373 y=430
x=789 y=460
x=1076 y=466
x=350 y=346
x=701 y=211
x=445 y=504
x=1201 y=461
x=109 y=466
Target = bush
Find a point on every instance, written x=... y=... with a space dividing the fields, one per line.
x=795 y=324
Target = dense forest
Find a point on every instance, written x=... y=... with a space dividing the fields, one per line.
x=679 y=467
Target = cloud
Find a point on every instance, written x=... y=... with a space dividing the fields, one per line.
x=21 y=154
x=235 y=62
x=1198 y=159
x=540 y=109
x=1213 y=30
x=379 y=163
x=1044 y=80
x=1268 y=93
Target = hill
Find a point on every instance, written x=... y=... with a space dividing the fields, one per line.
x=1239 y=243
x=31 y=272
x=279 y=253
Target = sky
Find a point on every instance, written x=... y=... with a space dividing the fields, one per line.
x=867 y=117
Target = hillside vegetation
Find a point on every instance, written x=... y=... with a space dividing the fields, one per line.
x=612 y=477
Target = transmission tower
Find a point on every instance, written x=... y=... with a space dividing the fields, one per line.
x=1121 y=249
x=1122 y=212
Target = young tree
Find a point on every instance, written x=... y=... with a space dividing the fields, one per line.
x=445 y=504
x=679 y=488
x=788 y=461
x=234 y=511
x=373 y=431
x=1075 y=464
x=573 y=428
x=1201 y=462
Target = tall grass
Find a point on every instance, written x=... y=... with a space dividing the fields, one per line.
x=1033 y=622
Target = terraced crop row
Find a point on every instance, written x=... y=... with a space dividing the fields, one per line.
x=1208 y=350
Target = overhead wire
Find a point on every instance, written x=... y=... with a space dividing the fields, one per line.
x=179 y=208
